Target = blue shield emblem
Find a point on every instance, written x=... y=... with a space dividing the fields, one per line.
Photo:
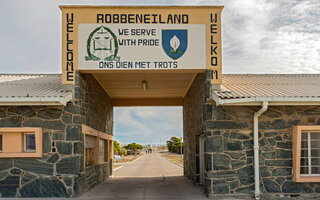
x=175 y=42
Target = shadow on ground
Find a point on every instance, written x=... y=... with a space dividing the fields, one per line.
x=153 y=188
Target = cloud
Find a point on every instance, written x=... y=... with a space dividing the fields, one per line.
x=259 y=36
x=271 y=37
x=145 y=124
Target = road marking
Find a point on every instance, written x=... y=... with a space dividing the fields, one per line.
x=171 y=161
x=117 y=168
x=137 y=159
x=126 y=163
x=131 y=161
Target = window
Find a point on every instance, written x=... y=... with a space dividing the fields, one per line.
x=0 y=142
x=89 y=154
x=102 y=155
x=306 y=153
x=20 y=142
x=98 y=146
x=29 y=142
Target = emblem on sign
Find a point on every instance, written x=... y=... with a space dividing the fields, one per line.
x=175 y=42
x=102 y=44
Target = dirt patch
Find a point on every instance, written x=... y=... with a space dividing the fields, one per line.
x=128 y=158
x=175 y=158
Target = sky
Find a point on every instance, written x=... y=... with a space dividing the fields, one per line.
x=145 y=125
x=258 y=36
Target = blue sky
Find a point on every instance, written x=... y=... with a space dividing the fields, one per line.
x=145 y=124
x=258 y=36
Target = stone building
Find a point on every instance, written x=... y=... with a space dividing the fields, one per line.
x=245 y=136
x=275 y=116
x=59 y=170
x=219 y=134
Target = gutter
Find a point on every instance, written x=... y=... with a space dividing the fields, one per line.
x=266 y=101
x=256 y=116
x=36 y=101
x=255 y=101
x=256 y=148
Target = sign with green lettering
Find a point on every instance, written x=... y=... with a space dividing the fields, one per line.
x=136 y=46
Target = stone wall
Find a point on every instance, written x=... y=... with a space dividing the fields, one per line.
x=229 y=169
x=96 y=111
x=92 y=176
x=94 y=104
x=60 y=172
x=194 y=116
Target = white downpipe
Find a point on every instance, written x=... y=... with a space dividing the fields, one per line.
x=256 y=148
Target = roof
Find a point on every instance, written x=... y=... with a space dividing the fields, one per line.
x=141 y=6
x=32 y=89
x=237 y=89
x=249 y=88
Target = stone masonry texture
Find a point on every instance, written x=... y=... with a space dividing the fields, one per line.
x=228 y=156
x=229 y=168
x=60 y=172
x=195 y=112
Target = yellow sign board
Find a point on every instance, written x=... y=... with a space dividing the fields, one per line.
x=100 y=38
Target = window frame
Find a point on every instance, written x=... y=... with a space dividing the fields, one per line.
x=17 y=148
x=90 y=150
x=25 y=142
x=296 y=153
x=97 y=135
x=102 y=141
x=1 y=135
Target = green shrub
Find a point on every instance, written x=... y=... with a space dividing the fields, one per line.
x=116 y=147
x=174 y=145
x=133 y=146
x=122 y=151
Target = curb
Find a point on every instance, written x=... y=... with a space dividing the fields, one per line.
x=117 y=168
x=171 y=161
x=136 y=159
x=132 y=161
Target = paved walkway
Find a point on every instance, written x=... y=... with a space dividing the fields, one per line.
x=149 y=165
x=143 y=180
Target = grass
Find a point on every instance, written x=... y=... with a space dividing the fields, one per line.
x=163 y=148
x=174 y=158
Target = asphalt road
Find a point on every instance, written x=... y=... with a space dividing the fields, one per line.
x=150 y=177
x=149 y=165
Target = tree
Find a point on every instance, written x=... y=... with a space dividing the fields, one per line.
x=122 y=151
x=174 y=145
x=133 y=146
x=116 y=147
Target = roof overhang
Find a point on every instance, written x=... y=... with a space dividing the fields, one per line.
x=36 y=101
x=162 y=87
x=272 y=101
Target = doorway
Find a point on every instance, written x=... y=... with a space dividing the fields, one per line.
x=185 y=90
x=158 y=132
x=151 y=175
